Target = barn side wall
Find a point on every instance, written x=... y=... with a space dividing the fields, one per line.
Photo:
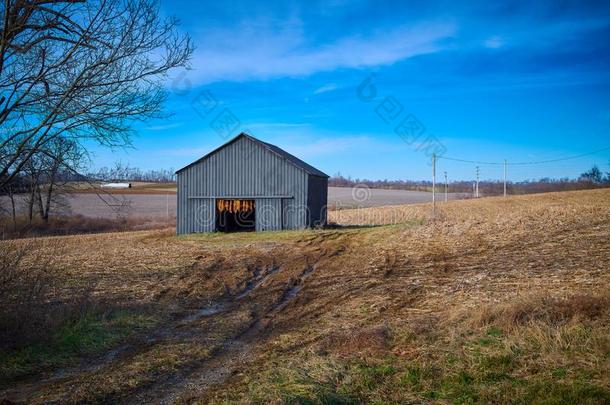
x=268 y=214
x=317 y=200
x=242 y=169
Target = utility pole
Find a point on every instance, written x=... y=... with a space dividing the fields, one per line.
x=445 y=186
x=504 y=178
x=433 y=185
x=477 y=186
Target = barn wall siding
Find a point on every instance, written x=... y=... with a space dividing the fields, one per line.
x=268 y=214
x=245 y=168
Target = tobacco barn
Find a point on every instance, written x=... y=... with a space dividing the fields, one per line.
x=249 y=185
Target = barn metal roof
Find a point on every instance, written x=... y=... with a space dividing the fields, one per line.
x=274 y=149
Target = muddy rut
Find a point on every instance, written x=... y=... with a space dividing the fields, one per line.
x=263 y=295
x=236 y=351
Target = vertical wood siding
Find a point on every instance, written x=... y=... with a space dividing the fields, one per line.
x=246 y=168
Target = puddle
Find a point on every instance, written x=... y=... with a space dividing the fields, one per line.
x=288 y=296
x=256 y=282
x=218 y=307
x=292 y=292
x=307 y=271
x=205 y=311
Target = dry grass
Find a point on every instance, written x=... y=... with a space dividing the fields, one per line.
x=551 y=310
x=40 y=327
x=495 y=301
x=519 y=208
x=74 y=225
x=356 y=341
x=27 y=278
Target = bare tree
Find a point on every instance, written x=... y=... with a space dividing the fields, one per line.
x=121 y=172
x=76 y=70
x=593 y=175
x=59 y=159
x=31 y=170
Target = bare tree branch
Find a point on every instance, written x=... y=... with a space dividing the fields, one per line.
x=74 y=70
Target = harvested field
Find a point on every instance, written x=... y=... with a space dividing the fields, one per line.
x=495 y=301
x=154 y=203
x=155 y=206
x=346 y=197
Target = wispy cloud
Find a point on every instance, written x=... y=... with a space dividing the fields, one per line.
x=301 y=143
x=275 y=125
x=163 y=127
x=182 y=152
x=325 y=89
x=307 y=146
x=263 y=50
x=493 y=42
x=327 y=146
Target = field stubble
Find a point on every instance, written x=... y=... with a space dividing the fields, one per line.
x=494 y=301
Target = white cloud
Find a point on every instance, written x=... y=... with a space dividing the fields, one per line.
x=275 y=125
x=262 y=50
x=325 y=89
x=301 y=144
x=493 y=42
x=310 y=144
x=163 y=127
x=183 y=152
x=326 y=146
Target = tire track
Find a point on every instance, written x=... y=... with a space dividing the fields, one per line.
x=234 y=352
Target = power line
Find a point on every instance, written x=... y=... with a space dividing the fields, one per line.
x=523 y=163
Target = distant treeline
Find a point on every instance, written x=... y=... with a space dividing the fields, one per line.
x=593 y=178
x=122 y=172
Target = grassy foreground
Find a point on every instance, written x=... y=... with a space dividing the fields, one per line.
x=90 y=334
x=498 y=359
x=495 y=301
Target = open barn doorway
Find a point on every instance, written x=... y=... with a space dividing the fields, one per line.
x=233 y=215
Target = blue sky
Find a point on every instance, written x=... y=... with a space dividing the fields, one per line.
x=518 y=80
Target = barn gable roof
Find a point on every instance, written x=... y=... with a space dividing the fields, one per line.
x=272 y=148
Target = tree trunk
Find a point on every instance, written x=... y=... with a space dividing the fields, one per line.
x=40 y=205
x=31 y=200
x=14 y=211
x=48 y=202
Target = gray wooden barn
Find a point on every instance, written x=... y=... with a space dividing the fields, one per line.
x=246 y=185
